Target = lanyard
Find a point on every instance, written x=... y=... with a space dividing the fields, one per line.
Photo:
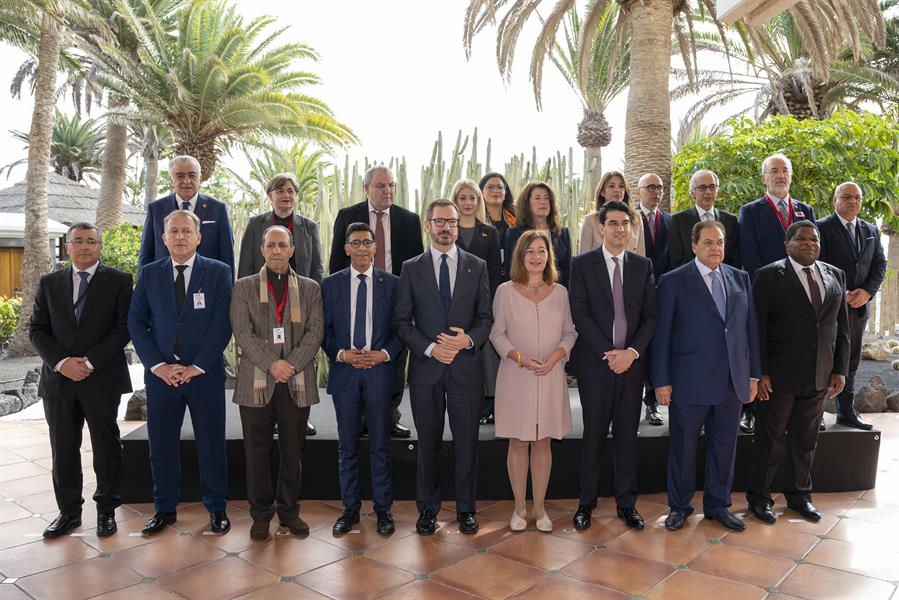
x=655 y=225
x=279 y=309
x=786 y=224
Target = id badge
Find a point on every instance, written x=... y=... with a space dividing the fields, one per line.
x=199 y=300
x=278 y=335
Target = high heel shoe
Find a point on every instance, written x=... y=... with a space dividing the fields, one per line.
x=545 y=524
x=517 y=523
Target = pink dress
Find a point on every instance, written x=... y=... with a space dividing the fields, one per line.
x=531 y=407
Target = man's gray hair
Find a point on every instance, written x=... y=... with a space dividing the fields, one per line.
x=182 y=213
x=183 y=158
x=83 y=225
x=840 y=187
x=280 y=228
x=699 y=174
x=370 y=173
x=779 y=155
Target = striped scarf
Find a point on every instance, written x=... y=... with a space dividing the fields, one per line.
x=296 y=383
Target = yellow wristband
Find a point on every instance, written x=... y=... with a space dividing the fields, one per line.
x=519 y=360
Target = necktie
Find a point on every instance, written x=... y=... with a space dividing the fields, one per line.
x=82 y=294
x=185 y=205
x=361 y=309
x=180 y=293
x=814 y=291
x=651 y=219
x=718 y=294
x=446 y=295
x=784 y=211
x=853 y=239
x=619 y=324
x=381 y=247
x=707 y=216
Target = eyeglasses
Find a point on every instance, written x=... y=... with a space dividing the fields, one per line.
x=356 y=244
x=451 y=223
x=653 y=188
x=712 y=187
x=90 y=242
x=498 y=187
x=617 y=224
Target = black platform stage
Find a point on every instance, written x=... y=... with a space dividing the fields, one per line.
x=846 y=460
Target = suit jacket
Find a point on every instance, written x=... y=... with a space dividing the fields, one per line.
x=696 y=351
x=762 y=234
x=307 y=247
x=797 y=350
x=561 y=249
x=418 y=316
x=155 y=322
x=592 y=310
x=405 y=236
x=485 y=245
x=100 y=335
x=657 y=251
x=217 y=241
x=680 y=242
x=258 y=349
x=339 y=328
x=865 y=268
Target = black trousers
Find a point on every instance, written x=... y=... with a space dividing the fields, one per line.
x=858 y=320
x=258 y=424
x=66 y=418
x=796 y=412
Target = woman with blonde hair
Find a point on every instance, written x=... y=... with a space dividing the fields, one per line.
x=533 y=333
x=612 y=186
x=537 y=208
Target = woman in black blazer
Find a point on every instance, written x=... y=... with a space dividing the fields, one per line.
x=537 y=208
x=482 y=240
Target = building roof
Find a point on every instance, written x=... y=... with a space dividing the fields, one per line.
x=67 y=202
x=12 y=225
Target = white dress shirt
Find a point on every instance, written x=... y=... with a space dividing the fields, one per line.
x=452 y=263
x=816 y=275
x=190 y=267
x=703 y=212
x=369 y=305
x=706 y=278
x=610 y=266
x=373 y=221
x=193 y=202
x=76 y=287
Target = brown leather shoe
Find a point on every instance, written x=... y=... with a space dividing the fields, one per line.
x=296 y=525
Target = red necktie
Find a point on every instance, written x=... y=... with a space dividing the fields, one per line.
x=814 y=291
x=381 y=247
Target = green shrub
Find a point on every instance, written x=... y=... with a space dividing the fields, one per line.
x=9 y=316
x=121 y=246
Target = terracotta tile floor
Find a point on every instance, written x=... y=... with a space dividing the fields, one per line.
x=852 y=553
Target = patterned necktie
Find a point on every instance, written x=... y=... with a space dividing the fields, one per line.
x=813 y=289
x=82 y=294
x=381 y=247
x=619 y=324
x=707 y=216
x=359 y=336
x=718 y=294
x=853 y=238
x=650 y=218
x=185 y=205
x=446 y=295
x=783 y=210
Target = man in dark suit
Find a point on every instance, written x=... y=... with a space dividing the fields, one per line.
x=180 y=326
x=762 y=227
x=655 y=232
x=705 y=365
x=399 y=232
x=443 y=315
x=612 y=295
x=704 y=190
x=853 y=245
x=80 y=327
x=359 y=341
x=804 y=350
x=215 y=229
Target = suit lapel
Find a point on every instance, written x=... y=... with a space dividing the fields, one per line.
x=704 y=292
x=831 y=288
x=604 y=283
x=426 y=269
x=167 y=282
x=463 y=270
x=95 y=284
x=202 y=208
x=727 y=280
x=792 y=279
x=196 y=280
x=66 y=288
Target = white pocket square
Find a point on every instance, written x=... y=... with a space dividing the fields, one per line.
x=207 y=222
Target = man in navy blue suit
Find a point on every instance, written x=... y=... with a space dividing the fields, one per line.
x=215 y=229
x=705 y=366
x=360 y=343
x=180 y=326
x=763 y=224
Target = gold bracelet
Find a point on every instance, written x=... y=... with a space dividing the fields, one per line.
x=519 y=359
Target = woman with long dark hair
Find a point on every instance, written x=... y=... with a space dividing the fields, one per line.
x=537 y=208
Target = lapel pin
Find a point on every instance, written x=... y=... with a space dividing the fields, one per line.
x=204 y=205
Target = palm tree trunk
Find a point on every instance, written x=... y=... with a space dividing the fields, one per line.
x=594 y=166
x=647 y=140
x=112 y=181
x=36 y=257
x=151 y=177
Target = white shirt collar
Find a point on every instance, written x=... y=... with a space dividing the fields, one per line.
x=371 y=208
x=701 y=211
x=369 y=272
x=798 y=268
x=704 y=270
x=775 y=199
x=451 y=254
x=646 y=211
x=90 y=270
x=189 y=262
x=192 y=200
x=854 y=221
x=608 y=255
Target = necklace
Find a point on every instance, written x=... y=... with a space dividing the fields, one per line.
x=536 y=288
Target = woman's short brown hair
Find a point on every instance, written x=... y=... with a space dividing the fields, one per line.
x=599 y=199
x=279 y=180
x=519 y=273
x=523 y=217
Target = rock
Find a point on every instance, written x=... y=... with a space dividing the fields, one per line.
x=17 y=399
x=137 y=406
x=893 y=343
x=894 y=349
x=9 y=404
x=872 y=397
x=893 y=401
x=875 y=351
x=895 y=365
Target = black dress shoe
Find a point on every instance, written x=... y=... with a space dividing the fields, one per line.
x=806 y=509
x=582 y=518
x=728 y=519
x=468 y=522
x=386 y=524
x=158 y=522
x=295 y=525
x=397 y=430
x=763 y=513
x=852 y=420
x=345 y=522
x=747 y=423
x=106 y=525
x=62 y=525
x=259 y=530
x=219 y=522
x=653 y=416
x=426 y=523
x=310 y=429
x=631 y=517
x=675 y=520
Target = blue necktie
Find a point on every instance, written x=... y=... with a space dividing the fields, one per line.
x=852 y=237
x=446 y=295
x=718 y=294
x=82 y=294
x=361 y=309
x=185 y=205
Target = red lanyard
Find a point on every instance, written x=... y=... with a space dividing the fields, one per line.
x=655 y=225
x=279 y=309
x=786 y=224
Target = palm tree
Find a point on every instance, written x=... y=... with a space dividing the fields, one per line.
x=217 y=82
x=300 y=159
x=76 y=147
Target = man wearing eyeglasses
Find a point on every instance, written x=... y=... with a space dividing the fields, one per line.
x=398 y=232
x=360 y=342
x=80 y=327
x=704 y=187
x=443 y=315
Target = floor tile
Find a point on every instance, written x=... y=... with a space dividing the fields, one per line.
x=818 y=583
x=219 y=579
x=863 y=532
x=141 y=591
x=238 y=537
x=671 y=547
x=9 y=591
x=856 y=558
x=167 y=555
x=793 y=521
x=875 y=512
x=732 y=562
x=26 y=486
x=23 y=531
x=35 y=451
x=541 y=550
x=426 y=590
x=774 y=539
x=288 y=556
x=602 y=531
x=83 y=580
x=11 y=511
x=419 y=554
x=690 y=584
x=354 y=578
x=363 y=536
x=20 y=470
x=43 y=555
x=836 y=503
x=283 y=591
x=569 y=589
x=501 y=511
x=489 y=534
x=126 y=536
x=39 y=503
x=489 y=576
x=623 y=572
x=318 y=514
